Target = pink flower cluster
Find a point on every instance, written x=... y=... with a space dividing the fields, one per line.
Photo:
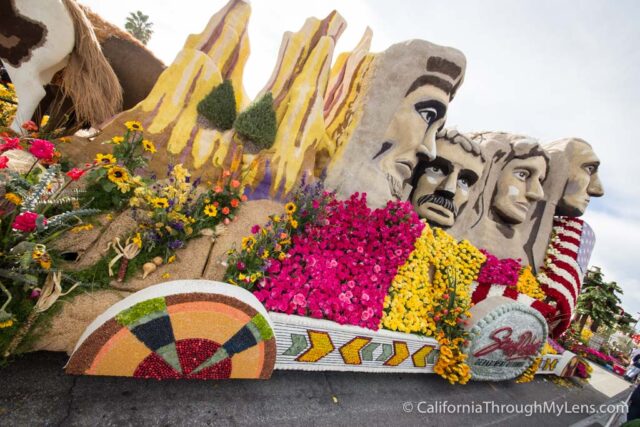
x=497 y=271
x=342 y=268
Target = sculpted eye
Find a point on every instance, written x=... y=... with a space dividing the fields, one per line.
x=428 y=114
x=435 y=170
x=591 y=169
x=463 y=183
x=522 y=174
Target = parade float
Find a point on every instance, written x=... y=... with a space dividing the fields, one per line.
x=331 y=223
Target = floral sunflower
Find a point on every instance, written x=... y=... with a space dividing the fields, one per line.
x=13 y=198
x=134 y=126
x=290 y=208
x=248 y=243
x=118 y=175
x=210 y=210
x=105 y=159
x=148 y=146
x=117 y=140
x=160 y=202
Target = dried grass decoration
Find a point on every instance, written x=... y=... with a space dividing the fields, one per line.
x=127 y=253
x=51 y=291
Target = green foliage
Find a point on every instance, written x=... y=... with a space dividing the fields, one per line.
x=219 y=107
x=138 y=25
x=598 y=300
x=258 y=122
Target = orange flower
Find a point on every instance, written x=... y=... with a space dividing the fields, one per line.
x=218 y=189
x=235 y=183
x=226 y=174
x=225 y=211
x=244 y=198
x=283 y=235
x=235 y=203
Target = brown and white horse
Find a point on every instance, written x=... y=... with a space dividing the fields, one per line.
x=38 y=38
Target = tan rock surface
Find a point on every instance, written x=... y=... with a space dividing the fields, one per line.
x=189 y=264
x=76 y=314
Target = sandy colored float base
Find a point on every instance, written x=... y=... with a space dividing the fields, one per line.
x=67 y=325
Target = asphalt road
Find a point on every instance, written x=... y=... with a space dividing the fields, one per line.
x=35 y=391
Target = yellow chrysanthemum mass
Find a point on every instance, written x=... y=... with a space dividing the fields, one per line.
x=528 y=285
x=430 y=296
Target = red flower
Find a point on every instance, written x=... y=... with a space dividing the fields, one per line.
x=3 y=162
x=42 y=149
x=26 y=222
x=10 y=144
x=235 y=183
x=235 y=203
x=225 y=211
x=29 y=125
x=75 y=174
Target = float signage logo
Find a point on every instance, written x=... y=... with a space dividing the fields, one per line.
x=523 y=346
x=505 y=342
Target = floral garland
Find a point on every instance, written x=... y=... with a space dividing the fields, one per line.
x=341 y=269
x=436 y=304
x=505 y=277
x=561 y=277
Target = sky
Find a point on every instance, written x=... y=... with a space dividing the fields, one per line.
x=549 y=69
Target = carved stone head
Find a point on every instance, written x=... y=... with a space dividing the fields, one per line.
x=583 y=181
x=404 y=106
x=520 y=182
x=441 y=186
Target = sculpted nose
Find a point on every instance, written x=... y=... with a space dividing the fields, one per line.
x=535 y=191
x=428 y=146
x=449 y=184
x=595 y=187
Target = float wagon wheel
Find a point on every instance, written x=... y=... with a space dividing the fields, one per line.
x=180 y=329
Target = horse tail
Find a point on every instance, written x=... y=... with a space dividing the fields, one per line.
x=88 y=78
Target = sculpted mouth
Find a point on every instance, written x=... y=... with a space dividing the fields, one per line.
x=523 y=206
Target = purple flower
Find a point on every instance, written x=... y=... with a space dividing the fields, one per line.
x=175 y=244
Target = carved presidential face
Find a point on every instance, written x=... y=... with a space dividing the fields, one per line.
x=411 y=133
x=442 y=190
x=519 y=185
x=583 y=182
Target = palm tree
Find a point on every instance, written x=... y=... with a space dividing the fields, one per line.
x=599 y=301
x=139 y=26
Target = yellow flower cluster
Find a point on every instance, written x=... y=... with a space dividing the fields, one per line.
x=6 y=324
x=83 y=227
x=586 y=334
x=451 y=361
x=178 y=191
x=528 y=284
x=528 y=374
x=8 y=104
x=430 y=296
x=547 y=349
x=13 y=198
x=431 y=290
